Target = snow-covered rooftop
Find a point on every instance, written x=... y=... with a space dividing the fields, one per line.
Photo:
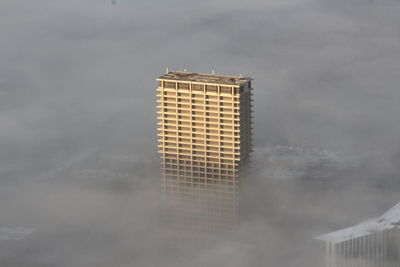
x=389 y=220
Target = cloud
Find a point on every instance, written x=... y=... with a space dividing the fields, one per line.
x=78 y=135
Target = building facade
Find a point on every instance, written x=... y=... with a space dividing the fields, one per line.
x=205 y=142
x=373 y=243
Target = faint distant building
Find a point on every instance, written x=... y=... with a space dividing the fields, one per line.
x=373 y=243
x=204 y=140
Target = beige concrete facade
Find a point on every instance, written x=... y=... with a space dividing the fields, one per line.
x=204 y=140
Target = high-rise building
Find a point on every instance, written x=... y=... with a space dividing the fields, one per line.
x=205 y=141
x=373 y=243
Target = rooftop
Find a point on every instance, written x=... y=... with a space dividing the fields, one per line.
x=389 y=220
x=205 y=78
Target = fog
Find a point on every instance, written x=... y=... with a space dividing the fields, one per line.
x=79 y=170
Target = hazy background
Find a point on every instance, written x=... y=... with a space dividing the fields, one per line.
x=78 y=164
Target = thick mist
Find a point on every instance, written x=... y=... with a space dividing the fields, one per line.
x=79 y=172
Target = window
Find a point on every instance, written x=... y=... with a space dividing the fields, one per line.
x=212 y=88
x=183 y=86
x=226 y=90
x=170 y=85
x=197 y=87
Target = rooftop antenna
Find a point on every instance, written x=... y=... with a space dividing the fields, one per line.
x=212 y=72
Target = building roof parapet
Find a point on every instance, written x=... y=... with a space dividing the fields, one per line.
x=205 y=78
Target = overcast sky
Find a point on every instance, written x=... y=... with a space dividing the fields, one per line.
x=77 y=115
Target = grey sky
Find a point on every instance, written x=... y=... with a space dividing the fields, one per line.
x=77 y=77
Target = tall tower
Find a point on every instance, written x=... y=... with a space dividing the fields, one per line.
x=204 y=140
